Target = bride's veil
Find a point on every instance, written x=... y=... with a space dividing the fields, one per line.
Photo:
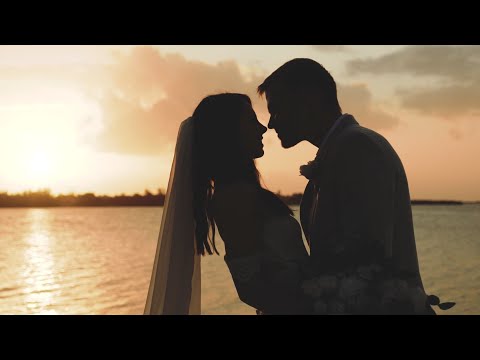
x=175 y=283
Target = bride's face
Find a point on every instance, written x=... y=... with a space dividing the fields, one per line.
x=251 y=133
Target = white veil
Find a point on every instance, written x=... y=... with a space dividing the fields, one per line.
x=175 y=283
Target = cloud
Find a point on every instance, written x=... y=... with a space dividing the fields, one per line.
x=453 y=71
x=143 y=94
x=154 y=92
x=332 y=48
x=53 y=84
x=448 y=102
x=357 y=100
x=182 y=84
x=457 y=63
x=456 y=134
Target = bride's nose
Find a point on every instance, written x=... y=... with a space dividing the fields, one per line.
x=263 y=129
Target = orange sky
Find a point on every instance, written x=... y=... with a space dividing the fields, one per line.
x=103 y=119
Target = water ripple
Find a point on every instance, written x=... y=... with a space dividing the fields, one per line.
x=99 y=260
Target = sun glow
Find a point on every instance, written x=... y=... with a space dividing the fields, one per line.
x=44 y=144
x=40 y=164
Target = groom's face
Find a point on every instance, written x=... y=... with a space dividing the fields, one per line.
x=285 y=118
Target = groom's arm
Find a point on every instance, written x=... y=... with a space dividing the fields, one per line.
x=364 y=202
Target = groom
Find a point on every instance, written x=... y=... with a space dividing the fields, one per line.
x=356 y=206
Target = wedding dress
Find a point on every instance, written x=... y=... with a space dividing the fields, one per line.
x=283 y=254
x=271 y=279
x=175 y=285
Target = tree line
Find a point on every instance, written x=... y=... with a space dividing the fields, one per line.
x=44 y=198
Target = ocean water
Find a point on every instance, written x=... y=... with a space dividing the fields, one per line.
x=98 y=260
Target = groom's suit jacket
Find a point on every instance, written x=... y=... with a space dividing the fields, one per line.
x=357 y=210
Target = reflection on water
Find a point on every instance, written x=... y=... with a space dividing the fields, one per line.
x=76 y=260
x=39 y=271
x=99 y=260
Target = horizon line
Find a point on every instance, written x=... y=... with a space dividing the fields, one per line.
x=161 y=191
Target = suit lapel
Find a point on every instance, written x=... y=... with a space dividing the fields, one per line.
x=347 y=121
x=310 y=197
x=305 y=208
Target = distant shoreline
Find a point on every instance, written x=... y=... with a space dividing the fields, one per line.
x=438 y=202
x=414 y=203
x=44 y=198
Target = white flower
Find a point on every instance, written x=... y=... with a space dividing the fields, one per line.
x=368 y=272
x=311 y=169
x=419 y=299
x=321 y=286
x=320 y=307
x=394 y=288
x=327 y=282
x=396 y=294
x=360 y=303
x=307 y=170
x=309 y=287
x=397 y=291
x=351 y=286
x=336 y=307
x=365 y=272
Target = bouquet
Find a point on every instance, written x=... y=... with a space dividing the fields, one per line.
x=368 y=289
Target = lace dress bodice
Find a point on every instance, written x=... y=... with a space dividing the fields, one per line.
x=282 y=257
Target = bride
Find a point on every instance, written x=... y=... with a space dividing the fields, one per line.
x=214 y=181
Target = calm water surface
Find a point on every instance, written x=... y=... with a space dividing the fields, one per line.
x=98 y=260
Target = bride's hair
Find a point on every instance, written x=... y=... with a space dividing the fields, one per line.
x=218 y=157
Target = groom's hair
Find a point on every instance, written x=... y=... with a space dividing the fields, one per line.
x=303 y=76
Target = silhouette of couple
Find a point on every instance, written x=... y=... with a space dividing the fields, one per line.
x=355 y=212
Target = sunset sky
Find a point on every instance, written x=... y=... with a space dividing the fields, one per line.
x=104 y=119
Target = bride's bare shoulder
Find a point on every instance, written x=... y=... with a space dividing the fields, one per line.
x=235 y=196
